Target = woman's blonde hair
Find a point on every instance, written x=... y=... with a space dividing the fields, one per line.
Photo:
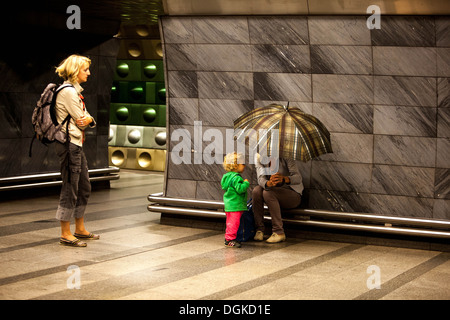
x=232 y=160
x=70 y=67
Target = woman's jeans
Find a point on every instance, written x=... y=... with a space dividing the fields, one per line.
x=76 y=187
x=275 y=199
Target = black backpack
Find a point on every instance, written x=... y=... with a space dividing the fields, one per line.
x=46 y=127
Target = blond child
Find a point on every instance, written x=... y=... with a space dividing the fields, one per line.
x=235 y=196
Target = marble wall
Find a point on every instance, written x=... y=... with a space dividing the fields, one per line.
x=383 y=94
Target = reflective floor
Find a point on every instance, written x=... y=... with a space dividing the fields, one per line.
x=138 y=258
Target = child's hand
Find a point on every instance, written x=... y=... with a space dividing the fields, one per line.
x=246 y=180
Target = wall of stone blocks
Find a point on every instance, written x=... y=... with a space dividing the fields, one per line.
x=384 y=94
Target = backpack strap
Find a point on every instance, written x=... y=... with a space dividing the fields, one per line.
x=53 y=103
x=31 y=145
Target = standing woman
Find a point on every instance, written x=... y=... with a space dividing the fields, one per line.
x=76 y=187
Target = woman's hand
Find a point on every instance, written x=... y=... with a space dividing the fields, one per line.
x=84 y=121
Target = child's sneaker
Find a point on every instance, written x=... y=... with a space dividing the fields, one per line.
x=232 y=243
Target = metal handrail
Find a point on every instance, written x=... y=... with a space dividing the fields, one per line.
x=53 y=179
x=211 y=208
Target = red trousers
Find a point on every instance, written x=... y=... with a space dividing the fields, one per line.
x=232 y=224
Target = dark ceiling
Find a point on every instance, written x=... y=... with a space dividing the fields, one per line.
x=35 y=33
x=97 y=16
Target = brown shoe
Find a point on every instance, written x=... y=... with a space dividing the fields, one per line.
x=275 y=238
x=259 y=236
x=72 y=243
x=89 y=236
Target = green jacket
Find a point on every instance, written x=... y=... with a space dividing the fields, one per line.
x=235 y=196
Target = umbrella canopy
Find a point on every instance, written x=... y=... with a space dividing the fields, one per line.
x=297 y=135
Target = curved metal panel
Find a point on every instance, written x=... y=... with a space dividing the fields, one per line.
x=304 y=7
x=235 y=7
x=391 y=7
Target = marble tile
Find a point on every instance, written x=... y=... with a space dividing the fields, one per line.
x=401 y=206
x=12 y=114
x=342 y=88
x=305 y=171
x=109 y=48
x=342 y=30
x=282 y=86
x=183 y=111
x=106 y=67
x=442 y=183
x=11 y=80
x=306 y=107
x=341 y=59
x=406 y=91
x=408 y=121
x=225 y=85
x=349 y=118
x=180 y=171
x=349 y=147
x=179 y=30
x=339 y=201
x=443 y=62
x=414 y=31
x=441 y=209
x=407 y=181
x=389 y=205
x=216 y=143
x=219 y=57
x=443 y=92
x=220 y=29
x=443 y=123
x=340 y=176
x=181 y=57
x=214 y=112
x=401 y=150
x=404 y=61
x=183 y=140
x=102 y=117
x=443 y=153
x=209 y=191
x=281 y=58
x=278 y=30
x=180 y=188
x=182 y=84
x=101 y=154
x=442 y=31
x=43 y=159
x=197 y=172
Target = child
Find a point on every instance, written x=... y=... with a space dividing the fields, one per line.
x=235 y=196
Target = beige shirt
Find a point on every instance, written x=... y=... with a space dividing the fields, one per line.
x=68 y=101
x=286 y=167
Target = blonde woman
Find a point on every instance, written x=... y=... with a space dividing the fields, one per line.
x=76 y=187
x=235 y=196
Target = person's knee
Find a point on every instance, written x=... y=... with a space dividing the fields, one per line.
x=268 y=196
x=257 y=192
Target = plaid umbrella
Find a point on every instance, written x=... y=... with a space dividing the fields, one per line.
x=299 y=135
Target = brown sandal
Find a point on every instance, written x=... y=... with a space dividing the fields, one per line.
x=89 y=236
x=72 y=243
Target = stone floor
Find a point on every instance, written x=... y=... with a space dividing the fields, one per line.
x=139 y=258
